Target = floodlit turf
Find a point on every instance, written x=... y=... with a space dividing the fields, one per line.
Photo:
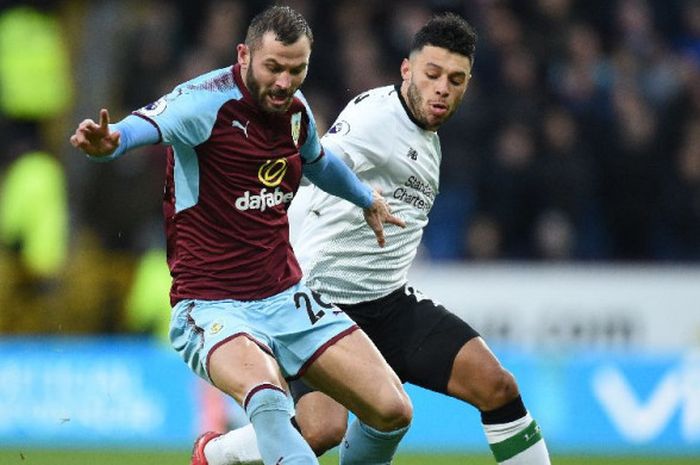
x=64 y=457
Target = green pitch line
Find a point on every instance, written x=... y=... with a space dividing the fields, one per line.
x=19 y=456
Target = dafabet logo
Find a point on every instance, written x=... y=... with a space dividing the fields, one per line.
x=271 y=173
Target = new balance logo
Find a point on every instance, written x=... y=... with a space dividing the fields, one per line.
x=527 y=437
x=534 y=435
x=237 y=124
x=412 y=154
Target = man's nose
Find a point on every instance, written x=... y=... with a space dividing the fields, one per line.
x=442 y=86
x=284 y=80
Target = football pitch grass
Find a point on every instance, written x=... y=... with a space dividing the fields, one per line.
x=103 y=457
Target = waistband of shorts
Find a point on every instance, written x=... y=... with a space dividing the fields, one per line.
x=380 y=301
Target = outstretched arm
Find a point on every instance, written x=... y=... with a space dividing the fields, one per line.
x=333 y=176
x=104 y=141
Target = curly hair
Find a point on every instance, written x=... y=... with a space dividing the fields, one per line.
x=448 y=31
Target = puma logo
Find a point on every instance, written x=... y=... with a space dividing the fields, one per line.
x=237 y=124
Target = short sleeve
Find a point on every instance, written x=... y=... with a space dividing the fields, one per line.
x=361 y=135
x=187 y=114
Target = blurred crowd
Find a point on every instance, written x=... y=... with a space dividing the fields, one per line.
x=578 y=139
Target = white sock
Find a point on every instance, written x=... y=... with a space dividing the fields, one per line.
x=517 y=443
x=237 y=447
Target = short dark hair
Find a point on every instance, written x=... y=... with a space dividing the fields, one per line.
x=287 y=25
x=448 y=31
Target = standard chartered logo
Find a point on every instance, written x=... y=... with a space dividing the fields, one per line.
x=272 y=172
x=263 y=200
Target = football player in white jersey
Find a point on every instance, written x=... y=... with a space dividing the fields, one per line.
x=388 y=137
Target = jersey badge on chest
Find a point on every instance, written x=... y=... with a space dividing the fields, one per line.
x=296 y=127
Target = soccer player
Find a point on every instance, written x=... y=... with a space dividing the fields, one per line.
x=388 y=137
x=239 y=140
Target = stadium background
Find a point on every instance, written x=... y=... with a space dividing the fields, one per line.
x=567 y=228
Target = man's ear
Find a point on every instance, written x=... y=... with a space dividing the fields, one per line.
x=406 y=69
x=243 y=54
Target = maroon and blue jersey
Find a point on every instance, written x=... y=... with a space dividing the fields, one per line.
x=232 y=172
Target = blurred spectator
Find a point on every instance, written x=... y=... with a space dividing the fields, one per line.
x=677 y=225
x=402 y=24
x=483 y=239
x=554 y=236
x=33 y=242
x=223 y=27
x=687 y=42
x=359 y=50
x=506 y=191
x=151 y=50
x=519 y=88
x=551 y=21
x=147 y=303
x=581 y=81
x=640 y=55
x=631 y=175
x=566 y=189
x=34 y=214
x=35 y=79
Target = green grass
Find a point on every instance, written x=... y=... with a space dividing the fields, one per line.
x=556 y=460
x=99 y=457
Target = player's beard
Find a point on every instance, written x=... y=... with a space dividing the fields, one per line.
x=417 y=104
x=259 y=95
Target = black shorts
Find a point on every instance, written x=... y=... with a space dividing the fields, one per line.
x=418 y=337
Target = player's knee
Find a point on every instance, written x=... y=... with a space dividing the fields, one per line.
x=395 y=414
x=325 y=436
x=502 y=390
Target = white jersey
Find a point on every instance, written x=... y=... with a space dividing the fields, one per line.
x=387 y=149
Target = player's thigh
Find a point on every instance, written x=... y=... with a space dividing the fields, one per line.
x=218 y=343
x=433 y=338
x=353 y=372
x=301 y=327
x=445 y=354
x=478 y=377
x=239 y=364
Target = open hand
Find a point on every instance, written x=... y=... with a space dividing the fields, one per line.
x=95 y=139
x=378 y=214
